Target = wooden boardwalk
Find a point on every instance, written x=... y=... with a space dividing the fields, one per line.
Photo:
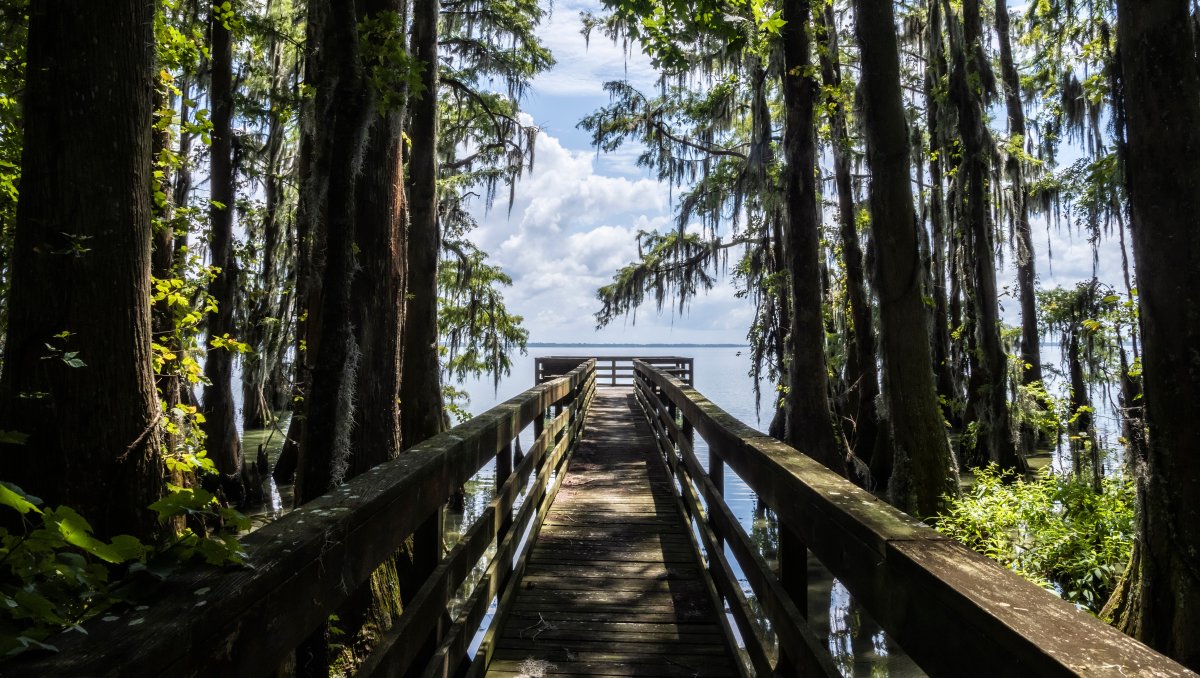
x=614 y=585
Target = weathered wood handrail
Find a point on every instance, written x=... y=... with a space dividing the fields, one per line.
x=948 y=607
x=613 y=370
x=247 y=621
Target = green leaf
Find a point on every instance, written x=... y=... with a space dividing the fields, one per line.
x=78 y=532
x=127 y=547
x=183 y=502
x=34 y=605
x=9 y=496
x=13 y=438
x=27 y=642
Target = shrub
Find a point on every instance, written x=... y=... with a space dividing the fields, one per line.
x=1054 y=530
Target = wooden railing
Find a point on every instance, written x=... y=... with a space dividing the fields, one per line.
x=953 y=611
x=248 y=621
x=612 y=370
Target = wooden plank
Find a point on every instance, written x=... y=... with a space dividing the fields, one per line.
x=613 y=576
x=675 y=667
x=542 y=501
x=633 y=616
x=394 y=651
x=559 y=653
x=427 y=606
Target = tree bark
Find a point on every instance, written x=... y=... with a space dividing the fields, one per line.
x=809 y=425
x=924 y=469
x=162 y=267
x=422 y=413
x=325 y=441
x=1162 y=106
x=220 y=428
x=81 y=265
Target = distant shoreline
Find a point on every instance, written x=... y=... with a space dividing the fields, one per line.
x=540 y=344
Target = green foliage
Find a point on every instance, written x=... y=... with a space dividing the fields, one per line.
x=678 y=34
x=14 y=20
x=1085 y=319
x=1066 y=40
x=1053 y=530
x=456 y=403
x=393 y=73
x=490 y=54
x=672 y=268
x=55 y=573
x=478 y=333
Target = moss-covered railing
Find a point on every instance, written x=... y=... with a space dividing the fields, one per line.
x=248 y=621
x=953 y=611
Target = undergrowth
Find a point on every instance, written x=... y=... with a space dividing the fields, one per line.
x=1054 y=530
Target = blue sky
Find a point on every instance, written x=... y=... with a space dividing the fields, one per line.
x=575 y=216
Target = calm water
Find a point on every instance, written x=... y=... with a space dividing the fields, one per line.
x=722 y=374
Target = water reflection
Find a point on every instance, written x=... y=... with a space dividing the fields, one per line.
x=264 y=445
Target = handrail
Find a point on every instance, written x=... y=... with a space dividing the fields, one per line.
x=613 y=370
x=247 y=621
x=947 y=606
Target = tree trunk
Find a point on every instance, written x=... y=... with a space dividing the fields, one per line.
x=1031 y=354
x=943 y=362
x=924 y=469
x=313 y=171
x=162 y=267
x=220 y=428
x=864 y=379
x=987 y=399
x=81 y=265
x=325 y=442
x=809 y=426
x=422 y=413
x=378 y=291
x=1162 y=100
x=1085 y=447
x=262 y=335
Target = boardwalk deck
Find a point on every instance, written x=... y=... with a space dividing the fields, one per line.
x=614 y=585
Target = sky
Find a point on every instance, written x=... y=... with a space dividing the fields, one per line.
x=574 y=219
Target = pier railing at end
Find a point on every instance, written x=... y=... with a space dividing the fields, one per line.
x=613 y=370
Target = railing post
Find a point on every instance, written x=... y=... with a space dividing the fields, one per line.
x=504 y=467
x=672 y=411
x=415 y=570
x=716 y=467
x=793 y=572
